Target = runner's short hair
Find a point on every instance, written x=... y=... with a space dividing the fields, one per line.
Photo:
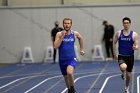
x=67 y=19
x=126 y=18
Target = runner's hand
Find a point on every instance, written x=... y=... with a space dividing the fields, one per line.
x=82 y=52
x=134 y=47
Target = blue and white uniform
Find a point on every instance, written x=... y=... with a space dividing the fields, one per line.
x=126 y=52
x=67 y=52
x=125 y=44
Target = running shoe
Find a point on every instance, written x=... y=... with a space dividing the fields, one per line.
x=69 y=91
x=73 y=90
x=127 y=91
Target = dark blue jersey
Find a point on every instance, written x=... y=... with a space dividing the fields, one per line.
x=66 y=49
x=126 y=44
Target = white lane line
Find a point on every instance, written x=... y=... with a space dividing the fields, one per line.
x=97 y=78
x=133 y=76
x=31 y=74
x=104 y=84
x=53 y=86
x=99 y=74
x=138 y=84
x=41 y=83
x=78 y=79
x=16 y=81
x=83 y=77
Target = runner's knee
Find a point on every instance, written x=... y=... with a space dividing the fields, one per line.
x=123 y=66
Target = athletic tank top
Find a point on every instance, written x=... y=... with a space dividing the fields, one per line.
x=126 y=44
x=66 y=49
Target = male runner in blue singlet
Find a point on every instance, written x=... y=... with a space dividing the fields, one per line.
x=67 y=58
x=127 y=43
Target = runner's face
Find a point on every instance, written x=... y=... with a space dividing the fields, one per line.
x=126 y=24
x=67 y=25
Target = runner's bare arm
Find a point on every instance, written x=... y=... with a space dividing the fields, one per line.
x=80 y=39
x=135 y=38
x=58 y=39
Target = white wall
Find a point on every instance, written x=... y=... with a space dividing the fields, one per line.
x=20 y=27
x=65 y=2
x=33 y=2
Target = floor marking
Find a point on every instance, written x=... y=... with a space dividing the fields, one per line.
x=18 y=80
x=78 y=79
x=15 y=71
x=37 y=73
x=104 y=84
x=97 y=78
x=26 y=77
x=89 y=76
x=83 y=77
x=133 y=75
x=41 y=83
x=56 y=83
x=138 y=84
